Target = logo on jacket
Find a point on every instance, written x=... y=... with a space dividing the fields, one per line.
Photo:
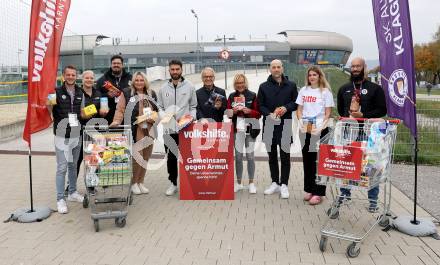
x=63 y=97
x=398 y=87
x=167 y=94
x=364 y=91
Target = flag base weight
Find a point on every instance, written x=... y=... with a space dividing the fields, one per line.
x=423 y=227
x=25 y=215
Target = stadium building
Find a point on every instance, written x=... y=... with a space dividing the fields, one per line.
x=301 y=47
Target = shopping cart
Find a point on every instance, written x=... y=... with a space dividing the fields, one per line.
x=356 y=156
x=107 y=173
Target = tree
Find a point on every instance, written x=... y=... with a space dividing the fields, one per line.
x=427 y=60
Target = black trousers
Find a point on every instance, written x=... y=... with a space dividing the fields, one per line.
x=172 y=149
x=273 y=164
x=309 y=153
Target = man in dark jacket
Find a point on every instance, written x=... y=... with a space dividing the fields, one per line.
x=119 y=78
x=211 y=100
x=276 y=98
x=371 y=104
x=67 y=130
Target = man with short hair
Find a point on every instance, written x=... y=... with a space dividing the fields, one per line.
x=211 y=100
x=67 y=130
x=370 y=104
x=176 y=100
x=276 y=98
x=119 y=78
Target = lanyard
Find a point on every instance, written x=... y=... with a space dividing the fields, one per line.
x=357 y=91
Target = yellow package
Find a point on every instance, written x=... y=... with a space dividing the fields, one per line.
x=90 y=110
x=107 y=156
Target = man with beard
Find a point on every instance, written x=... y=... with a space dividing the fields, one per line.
x=177 y=101
x=361 y=98
x=276 y=98
x=119 y=78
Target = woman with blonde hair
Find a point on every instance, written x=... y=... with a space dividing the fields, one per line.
x=142 y=120
x=315 y=102
x=242 y=105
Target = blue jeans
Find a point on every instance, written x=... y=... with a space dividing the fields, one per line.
x=373 y=195
x=67 y=153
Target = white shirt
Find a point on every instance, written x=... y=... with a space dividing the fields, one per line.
x=314 y=103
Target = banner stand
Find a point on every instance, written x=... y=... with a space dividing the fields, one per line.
x=32 y=214
x=410 y=225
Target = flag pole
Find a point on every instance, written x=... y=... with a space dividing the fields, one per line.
x=30 y=178
x=416 y=151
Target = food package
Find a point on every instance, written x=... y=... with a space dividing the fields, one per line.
x=309 y=124
x=112 y=90
x=90 y=110
x=355 y=104
x=185 y=121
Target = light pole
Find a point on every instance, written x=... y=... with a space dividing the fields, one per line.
x=225 y=60
x=19 y=64
x=197 y=32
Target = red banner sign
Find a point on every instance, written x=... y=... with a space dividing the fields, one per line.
x=206 y=167
x=344 y=162
x=48 y=18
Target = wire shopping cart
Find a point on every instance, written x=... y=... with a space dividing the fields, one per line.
x=108 y=173
x=356 y=157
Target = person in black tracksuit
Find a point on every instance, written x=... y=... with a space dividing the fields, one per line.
x=276 y=99
x=208 y=107
x=119 y=78
x=372 y=105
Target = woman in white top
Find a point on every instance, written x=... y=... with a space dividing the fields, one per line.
x=315 y=102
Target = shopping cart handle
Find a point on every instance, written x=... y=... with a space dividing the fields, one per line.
x=394 y=121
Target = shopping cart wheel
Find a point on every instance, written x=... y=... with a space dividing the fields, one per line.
x=96 y=223
x=385 y=221
x=120 y=221
x=86 y=201
x=323 y=243
x=333 y=213
x=353 y=250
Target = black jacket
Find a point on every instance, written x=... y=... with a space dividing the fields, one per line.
x=250 y=103
x=207 y=110
x=373 y=104
x=121 y=83
x=94 y=99
x=272 y=95
x=62 y=109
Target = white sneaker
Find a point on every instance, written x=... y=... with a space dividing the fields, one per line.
x=284 y=192
x=252 y=188
x=75 y=197
x=171 y=190
x=143 y=189
x=135 y=189
x=238 y=187
x=274 y=187
x=62 y=206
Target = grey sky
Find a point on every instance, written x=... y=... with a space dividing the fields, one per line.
x=160 y=19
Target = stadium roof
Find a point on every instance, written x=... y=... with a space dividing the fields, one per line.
x=310 y=39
